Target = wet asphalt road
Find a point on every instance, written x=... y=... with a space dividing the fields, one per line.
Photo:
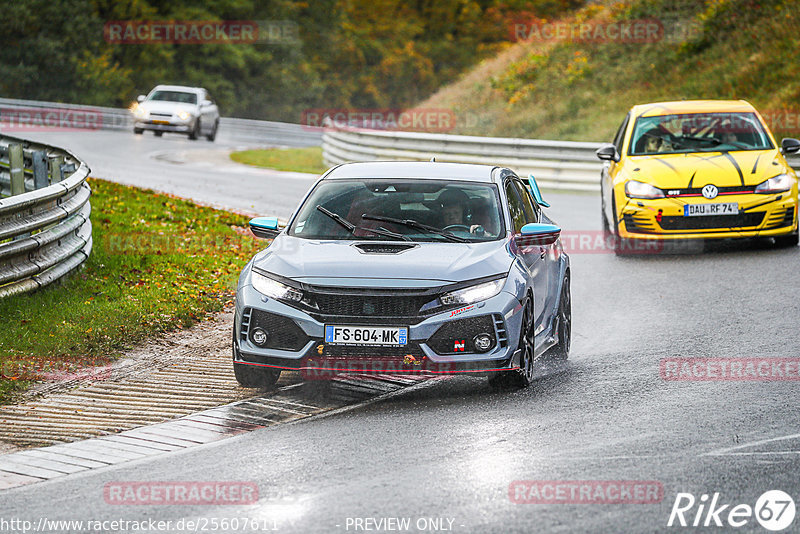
x=452 y=448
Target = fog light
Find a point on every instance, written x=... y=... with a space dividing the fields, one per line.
x=483 y=342
x=259 y=337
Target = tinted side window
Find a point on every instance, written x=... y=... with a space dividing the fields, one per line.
x=532 y=214
x=621 y=133
x=515 y=209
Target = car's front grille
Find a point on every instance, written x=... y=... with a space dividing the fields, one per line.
x=698 y=191
x=368 y=306
x=372 y=306
x=167 y=115
x=457 y=337
x=712 y=222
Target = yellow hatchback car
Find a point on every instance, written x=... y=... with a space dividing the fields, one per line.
x=701 y=169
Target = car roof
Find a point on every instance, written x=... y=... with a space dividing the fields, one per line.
x=413 y=169
x=183 y=88
x=691 y=106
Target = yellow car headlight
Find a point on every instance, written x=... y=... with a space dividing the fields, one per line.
x=776 y=184
x=637 y=189
x=184 y=115
x=140 y=113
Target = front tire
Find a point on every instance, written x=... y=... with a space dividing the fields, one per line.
x=790 y=240
x=138 y=131
x=522 y=377
x=158 y=133
x=195 y=133
x=253 y=376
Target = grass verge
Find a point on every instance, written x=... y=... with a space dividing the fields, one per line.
x=580 y=90
x=158 y=263
x=284 y=159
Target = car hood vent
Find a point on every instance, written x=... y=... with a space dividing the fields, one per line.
x=384 y=248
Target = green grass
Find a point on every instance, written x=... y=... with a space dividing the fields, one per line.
x=158 y=263
x=581 y=90
x=284 y=159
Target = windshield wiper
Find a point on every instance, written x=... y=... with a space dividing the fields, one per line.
x=415 y=224
x=352 y=227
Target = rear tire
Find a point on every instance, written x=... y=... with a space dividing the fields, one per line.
x=522 y=377
x=254 y=376
x=790 y=240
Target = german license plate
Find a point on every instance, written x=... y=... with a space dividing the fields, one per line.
x=726 y=208
x=366 y=335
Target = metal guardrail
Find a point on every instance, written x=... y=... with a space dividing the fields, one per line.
x=564 y=165
x=104 y=118
x=45 y=230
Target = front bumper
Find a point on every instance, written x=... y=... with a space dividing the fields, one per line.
x=663 y=219
x=170 y=126
x=299 y=340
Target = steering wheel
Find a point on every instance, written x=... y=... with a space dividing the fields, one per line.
x=456 y=227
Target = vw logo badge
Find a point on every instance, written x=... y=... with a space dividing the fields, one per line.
x=710 y=191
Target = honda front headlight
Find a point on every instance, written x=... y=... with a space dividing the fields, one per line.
x=475 y=293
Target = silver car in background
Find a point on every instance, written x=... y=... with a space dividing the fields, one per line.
x=178 y=109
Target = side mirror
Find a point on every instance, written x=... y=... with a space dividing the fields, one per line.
x=538 y=234
x=789 y=145
x=205 y=103
x=534 y=187
x=607 y=152
x=265 y=227
x=140 y=98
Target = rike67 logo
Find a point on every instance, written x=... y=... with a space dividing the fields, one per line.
x=774 y=511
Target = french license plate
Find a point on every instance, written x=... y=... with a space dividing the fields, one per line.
x=160 y=122
x=726 y=208
x=366 y=335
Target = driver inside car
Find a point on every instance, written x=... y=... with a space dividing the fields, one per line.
x=455 y=211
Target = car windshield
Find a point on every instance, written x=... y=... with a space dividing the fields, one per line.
x=174 y=96
x=698 y=132
x=401 y=209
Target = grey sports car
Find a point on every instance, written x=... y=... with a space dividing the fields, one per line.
x=406 y=267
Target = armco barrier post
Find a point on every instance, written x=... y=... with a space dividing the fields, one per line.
x=55 y=169
x=16 y=168
x=39 y=170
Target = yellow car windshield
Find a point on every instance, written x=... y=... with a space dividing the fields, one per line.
x=698 y=132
